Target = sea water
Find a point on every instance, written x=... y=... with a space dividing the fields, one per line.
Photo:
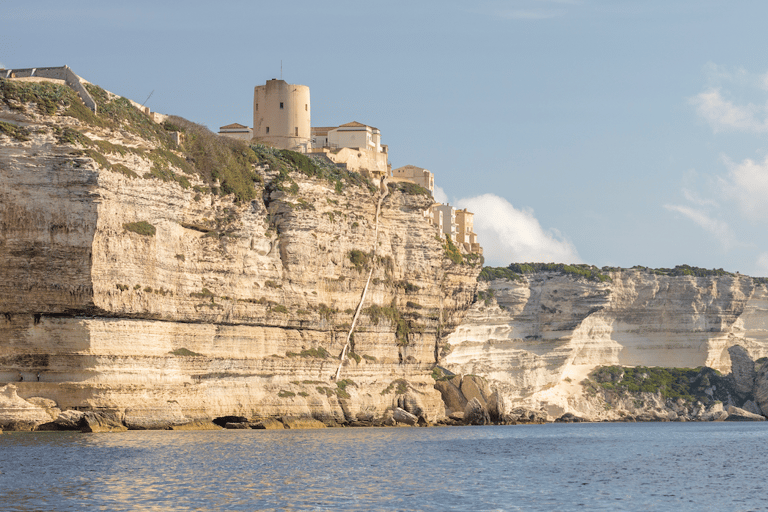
x=600 y=466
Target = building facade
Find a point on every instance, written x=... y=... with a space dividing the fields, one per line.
x=416 y=175
x=355 y=145
x=281 y=115
x=236 y=131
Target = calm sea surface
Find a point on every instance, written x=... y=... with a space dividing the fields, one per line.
x=644 y=466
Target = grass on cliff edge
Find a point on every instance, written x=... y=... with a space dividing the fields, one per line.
x=225 y=165
x=515 y=271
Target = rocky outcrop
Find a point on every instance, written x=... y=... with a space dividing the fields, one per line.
x=134 y=283
x=536 y=337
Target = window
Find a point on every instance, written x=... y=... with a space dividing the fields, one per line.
x=267 y=129
x=297 y=131
x=281 y=104
x=256 y=107
x=306 y=107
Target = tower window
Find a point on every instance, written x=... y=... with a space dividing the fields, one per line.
x=297 y=131
x=267 y=129
x=256 y=107
x=306 y=107
x=281 y=104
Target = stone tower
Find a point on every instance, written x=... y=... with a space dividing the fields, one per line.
x=281 y=115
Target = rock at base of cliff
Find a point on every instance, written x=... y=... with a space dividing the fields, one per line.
x=452 y=396
x=475 y=387
x=742 y=369
x=196 y=425
x=268 y=424
x=66 y=420
x=238 y=426
x=403 y=416
x=223 y=420
x=569 y=417
x=301 y=423
x=475 y=413
x=761 y=388
x=159 y=417
x=19 y=414
x=738 y=414
x=101 y=422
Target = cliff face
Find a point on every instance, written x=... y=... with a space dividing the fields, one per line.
x=537 y=338
x=130 y=285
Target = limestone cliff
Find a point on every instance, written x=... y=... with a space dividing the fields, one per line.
x=536 y=335
x=150 y=279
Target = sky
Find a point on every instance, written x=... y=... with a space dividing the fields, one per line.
x=607 y=132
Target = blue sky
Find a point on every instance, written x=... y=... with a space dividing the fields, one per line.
x=609 y=132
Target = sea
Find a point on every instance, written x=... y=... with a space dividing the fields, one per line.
x=591 y=466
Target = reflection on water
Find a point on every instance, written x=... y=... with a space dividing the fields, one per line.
x=592 y=466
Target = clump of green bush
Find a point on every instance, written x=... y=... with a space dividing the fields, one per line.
x=141 y=227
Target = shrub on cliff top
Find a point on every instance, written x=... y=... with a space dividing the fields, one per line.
x=589 y=272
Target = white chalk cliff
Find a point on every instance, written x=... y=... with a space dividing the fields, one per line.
x=536 y=338
x=131 y=285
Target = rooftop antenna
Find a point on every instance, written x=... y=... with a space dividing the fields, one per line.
x=146 y=100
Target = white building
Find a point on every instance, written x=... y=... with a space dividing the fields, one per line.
x=354 y=144
x=236 y=131
x=416 y=175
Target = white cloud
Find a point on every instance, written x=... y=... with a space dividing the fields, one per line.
x=718 y=228
x=510 y=235
x=762 y=264
x=747 y=185
x=696 y=199
x=722 y=114
x=440 y=195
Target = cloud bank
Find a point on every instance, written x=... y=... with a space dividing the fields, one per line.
x=510 y=235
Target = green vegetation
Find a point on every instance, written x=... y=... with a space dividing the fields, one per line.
x=279 y=308
x=272 y=284
x=354 y=356
x=286 y=394
x=359 y=259
x=399 y=386
x=670 y=382
x=341 y=388
x=516 y=270
x=185 y=353
x=451 y=251
x=491 y=273
x=122 y=287
x=408 y=188
x=19 y=133
x=202 y=294
x=142 y=227
x=318 y=352
x=684 y=270
x=403 y=328
x=486 y=296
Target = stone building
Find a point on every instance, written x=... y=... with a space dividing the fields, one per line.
x=281 y=115
x=236 y=131
x=416 y=175
x=355 y=145
x=456 y=224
